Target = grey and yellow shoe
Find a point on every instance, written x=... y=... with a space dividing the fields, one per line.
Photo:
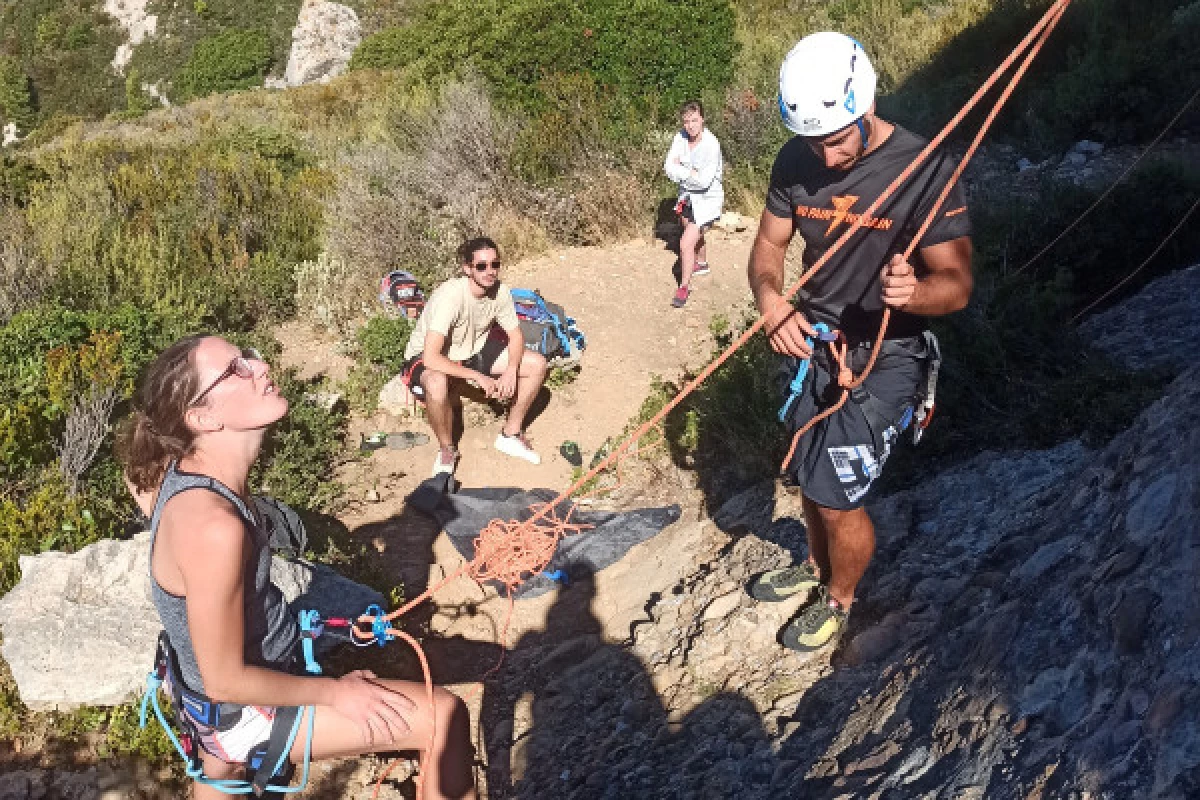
x=818 y=624
x=780 y=584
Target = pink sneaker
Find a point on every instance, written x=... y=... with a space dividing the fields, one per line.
x=701 y=268
x=681 y=297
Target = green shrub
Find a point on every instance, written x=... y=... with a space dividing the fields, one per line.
x=383 y=339
x=45 y=519
x=300 y=451
x=654 y=53
x=16 y=101
x=235 y=59
x=204 y=227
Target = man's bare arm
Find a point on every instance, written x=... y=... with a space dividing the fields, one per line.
x=944 y=289
x=785 y=327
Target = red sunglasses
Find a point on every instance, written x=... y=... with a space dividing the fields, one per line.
x=239 y=366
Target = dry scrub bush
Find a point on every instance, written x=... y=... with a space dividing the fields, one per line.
x=611 y=204
x=407 y=203
x=22 y=278
x=377 y=221
x=86 y=427
x=330 y=294
x=518 y=235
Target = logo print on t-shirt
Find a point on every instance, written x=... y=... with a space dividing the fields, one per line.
x=840 y=213
x=841 y=206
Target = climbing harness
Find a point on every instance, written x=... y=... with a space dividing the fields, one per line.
x=265 y=762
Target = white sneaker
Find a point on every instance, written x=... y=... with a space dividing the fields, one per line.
x=517 y=447
x=702 y=268
x=442 y=464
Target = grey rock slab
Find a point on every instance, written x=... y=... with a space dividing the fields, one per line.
x=1130 y=616
x=395 y=398
x=93 y=608
x=1156 y=327
x=325 y=37
x=1151 y=508
x=1046 y=558
x=723 y=606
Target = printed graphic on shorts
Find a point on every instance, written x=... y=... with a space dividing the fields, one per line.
x=858 y=480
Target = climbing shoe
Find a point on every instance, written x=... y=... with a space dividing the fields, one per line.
x=818 y=624
x=780 y=584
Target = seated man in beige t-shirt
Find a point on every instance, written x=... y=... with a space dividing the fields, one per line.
x=469 y=331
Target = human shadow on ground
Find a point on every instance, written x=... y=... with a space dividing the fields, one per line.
x=571 y=715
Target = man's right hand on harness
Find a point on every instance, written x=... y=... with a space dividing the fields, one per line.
x=788 y=329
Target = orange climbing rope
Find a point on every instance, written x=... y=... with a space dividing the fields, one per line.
x=1182 y=220
x=510 y=552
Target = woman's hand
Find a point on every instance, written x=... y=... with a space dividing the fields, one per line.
x=378 y=712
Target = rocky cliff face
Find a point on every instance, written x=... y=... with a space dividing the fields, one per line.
x=1029 y=628
x=324 y=39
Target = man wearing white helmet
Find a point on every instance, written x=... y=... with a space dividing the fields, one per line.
x=840 y=162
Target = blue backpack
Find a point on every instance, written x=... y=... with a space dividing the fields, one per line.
x=546 y=327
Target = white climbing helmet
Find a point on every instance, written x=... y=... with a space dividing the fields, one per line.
x=826 y=82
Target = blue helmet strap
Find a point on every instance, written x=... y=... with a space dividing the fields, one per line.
x=862 y=129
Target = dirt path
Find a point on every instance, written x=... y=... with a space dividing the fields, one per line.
x=620 y=296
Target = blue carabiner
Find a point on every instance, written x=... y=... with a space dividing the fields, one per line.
x=379 y=626
x=797 y=384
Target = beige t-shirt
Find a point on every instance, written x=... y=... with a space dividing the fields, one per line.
x=462 y=318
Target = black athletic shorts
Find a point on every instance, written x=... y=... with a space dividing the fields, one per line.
x=836 y=463
x=483 y=361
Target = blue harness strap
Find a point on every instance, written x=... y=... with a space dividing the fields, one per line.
x=311 y=627
x=797 y=384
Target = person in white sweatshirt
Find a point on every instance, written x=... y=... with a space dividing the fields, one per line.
x=694 y=162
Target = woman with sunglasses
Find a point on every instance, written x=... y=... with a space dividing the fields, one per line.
x=202 y=411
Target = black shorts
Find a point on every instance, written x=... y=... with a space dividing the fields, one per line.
x=483 y=361
x=836 y=463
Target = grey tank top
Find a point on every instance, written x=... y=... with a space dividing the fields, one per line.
x=271 y=631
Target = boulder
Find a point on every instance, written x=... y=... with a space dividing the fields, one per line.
x=396 y=399
x=130 y=15
x=732 y=222
x=91 y=611
x=324 y=39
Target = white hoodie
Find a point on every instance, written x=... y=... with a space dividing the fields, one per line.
x=703 y=186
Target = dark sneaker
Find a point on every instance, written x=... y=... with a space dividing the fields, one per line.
x=818 y=624
x=679 y=300
x=780 y=584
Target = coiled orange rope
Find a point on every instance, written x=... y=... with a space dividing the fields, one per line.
x=510 y=552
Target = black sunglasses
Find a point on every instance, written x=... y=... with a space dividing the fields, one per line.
x=239 y=366
x=480 y=266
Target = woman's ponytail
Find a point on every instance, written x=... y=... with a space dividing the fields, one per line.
x=156 y=434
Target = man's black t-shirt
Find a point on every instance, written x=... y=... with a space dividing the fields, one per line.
x=822 y=203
